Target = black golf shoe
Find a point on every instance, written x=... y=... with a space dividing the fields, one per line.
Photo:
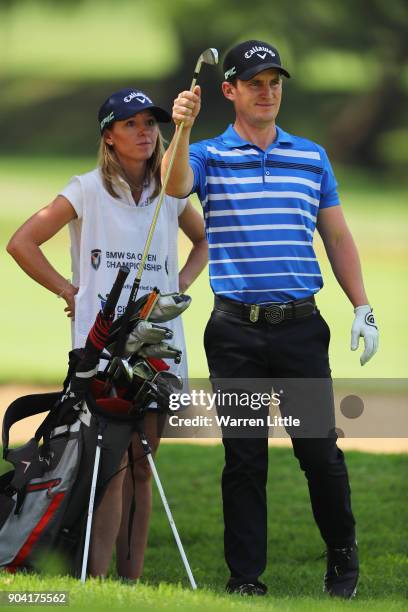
x=342 y=572
x=246 y=588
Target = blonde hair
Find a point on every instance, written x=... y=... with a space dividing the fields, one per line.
x=111 y=168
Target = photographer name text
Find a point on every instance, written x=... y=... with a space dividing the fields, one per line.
x=229 y=421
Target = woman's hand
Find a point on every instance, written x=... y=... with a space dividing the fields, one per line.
x=69 y=296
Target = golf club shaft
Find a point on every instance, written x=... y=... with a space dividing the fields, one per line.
x=90 y=509
x=163 y=189
x=120 y=345
x=171 y=521
x=170 y=166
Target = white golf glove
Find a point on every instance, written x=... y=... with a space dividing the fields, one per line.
x=364 y=325
x=145 y=333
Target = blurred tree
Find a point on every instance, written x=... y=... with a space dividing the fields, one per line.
x=348 y=59
x=375 y=31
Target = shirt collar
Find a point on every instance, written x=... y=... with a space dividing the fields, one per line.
x=283 y=137
x=124 y=191
x=232 y=139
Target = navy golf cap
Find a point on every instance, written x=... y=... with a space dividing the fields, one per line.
x=249 y=58
x=126 y=103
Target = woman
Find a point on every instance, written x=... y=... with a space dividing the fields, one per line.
x=109 y=212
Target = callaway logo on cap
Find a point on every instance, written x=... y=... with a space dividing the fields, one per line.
x=245 y=60
x=126 y=103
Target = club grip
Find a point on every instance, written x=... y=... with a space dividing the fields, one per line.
x=115 y=292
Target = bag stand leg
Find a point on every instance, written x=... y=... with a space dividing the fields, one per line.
x=148 y=451
x=91 y=503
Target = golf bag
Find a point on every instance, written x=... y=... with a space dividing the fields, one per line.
x=44 y=500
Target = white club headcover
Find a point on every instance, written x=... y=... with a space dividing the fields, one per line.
x=145 y=333
x=169 y=306
x=160 y=351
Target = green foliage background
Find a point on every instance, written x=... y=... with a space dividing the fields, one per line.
x=349 y=62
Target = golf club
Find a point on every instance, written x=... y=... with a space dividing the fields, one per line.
x=209 y=56
x=142 y=370
x=174 y=379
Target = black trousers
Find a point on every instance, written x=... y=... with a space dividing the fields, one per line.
x=237 y=349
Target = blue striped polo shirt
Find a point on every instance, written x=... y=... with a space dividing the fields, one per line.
x=260 y=210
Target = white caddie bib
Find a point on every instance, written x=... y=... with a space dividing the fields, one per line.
x=109 y=232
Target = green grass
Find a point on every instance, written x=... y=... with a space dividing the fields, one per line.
x=36 y=325
x=109 y=595
x=190 y=476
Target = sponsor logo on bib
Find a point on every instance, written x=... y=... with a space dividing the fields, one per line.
x=96 y=258
x=120 y=308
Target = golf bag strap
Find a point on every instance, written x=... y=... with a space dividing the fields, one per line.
x=64 y=411
x=24 y=407
x=133 y=504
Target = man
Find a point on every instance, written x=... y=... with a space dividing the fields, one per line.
x=264 y=192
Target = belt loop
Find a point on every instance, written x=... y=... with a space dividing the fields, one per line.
x=254 y=313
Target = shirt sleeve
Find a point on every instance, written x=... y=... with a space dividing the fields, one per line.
x=73 y=192
x=198 y=163
x=181 y=203
x=329 y=196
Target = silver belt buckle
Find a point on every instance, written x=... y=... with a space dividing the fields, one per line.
x=274 y=314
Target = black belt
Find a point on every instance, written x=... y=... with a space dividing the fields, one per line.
x=273 y=312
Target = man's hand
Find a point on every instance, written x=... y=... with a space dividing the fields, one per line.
x=187 y=106
x=364 y=325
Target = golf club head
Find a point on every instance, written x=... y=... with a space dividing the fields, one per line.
x=174 y=379
x=146 y=394
x=210 y=56
x=142 y=370
x=120 y=368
